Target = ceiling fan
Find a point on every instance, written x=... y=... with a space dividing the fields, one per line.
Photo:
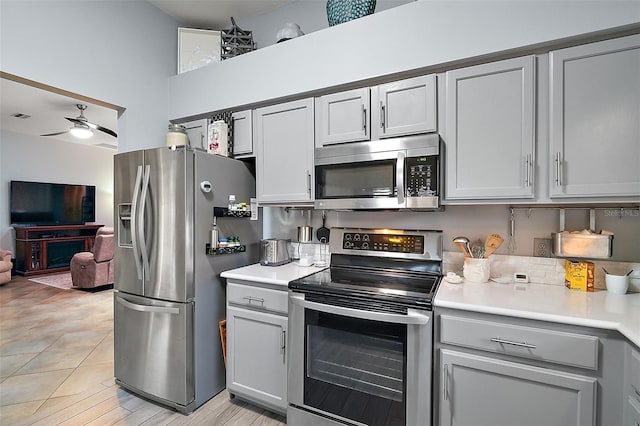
x=83 y=128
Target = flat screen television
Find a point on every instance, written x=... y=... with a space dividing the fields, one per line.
x=41 y=203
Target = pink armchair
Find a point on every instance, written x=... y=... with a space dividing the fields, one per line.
x=5 y=266
x=94 y=269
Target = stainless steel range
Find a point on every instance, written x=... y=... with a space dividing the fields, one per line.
x=361 y=331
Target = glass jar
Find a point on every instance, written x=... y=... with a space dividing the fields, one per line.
x=177 y=135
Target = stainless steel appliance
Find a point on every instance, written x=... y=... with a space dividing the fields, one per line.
x=274 y=252
x=393 y=173
x=169 y=297
x=361 y=331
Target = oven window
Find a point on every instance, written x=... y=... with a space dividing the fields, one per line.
x=357 y=180
x=355 y=368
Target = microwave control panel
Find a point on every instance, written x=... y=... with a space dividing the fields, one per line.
x=383 y=242
x=422 y=176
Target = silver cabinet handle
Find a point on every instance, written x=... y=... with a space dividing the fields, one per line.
x=284 y=345
x=309 y=182
x=251 y=299
x=445 y=382
x=558 y=161
x=511 y=342
x=382 y=116
x=364 y=118
x=528 y=164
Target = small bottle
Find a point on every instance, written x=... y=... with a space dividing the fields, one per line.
x=232 y=202
x=213 y=240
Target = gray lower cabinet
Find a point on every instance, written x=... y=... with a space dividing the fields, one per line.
x=284 y=143
x=490 y=130
x=498 y=370
x=478 y=390
x=256 y=345
x=594 y=115
x=632 y=387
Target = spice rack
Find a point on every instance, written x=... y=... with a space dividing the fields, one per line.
x=224 y=250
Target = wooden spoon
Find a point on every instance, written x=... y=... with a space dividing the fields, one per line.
x=491 y=244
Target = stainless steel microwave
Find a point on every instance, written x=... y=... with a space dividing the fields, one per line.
x=398 y=173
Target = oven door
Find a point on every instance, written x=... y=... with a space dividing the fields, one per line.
x=361 y=181
x=357 y=366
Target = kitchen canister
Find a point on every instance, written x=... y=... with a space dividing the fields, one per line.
x=177 y=135
x=476 y=270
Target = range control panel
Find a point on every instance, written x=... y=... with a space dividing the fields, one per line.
x=383 y=242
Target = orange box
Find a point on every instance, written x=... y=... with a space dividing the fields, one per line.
x=579 y=275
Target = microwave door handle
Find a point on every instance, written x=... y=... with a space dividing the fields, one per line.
x=412 y=317
x=400 y=177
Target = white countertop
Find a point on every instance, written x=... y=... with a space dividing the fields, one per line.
x=555 y=303
x=280 y=275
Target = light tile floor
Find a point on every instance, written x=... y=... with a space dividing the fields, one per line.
x=56 y=366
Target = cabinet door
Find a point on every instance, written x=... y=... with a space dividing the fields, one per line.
x=479 y=391
x=284 y=140
x=342 y=117
x=490 y=132
x=197 y=132
x=242 y=134
x=404 y=107
x=257 y=356
x=594 y=119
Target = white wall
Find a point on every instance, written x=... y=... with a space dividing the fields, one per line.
x=33 y=159
x=121 y=52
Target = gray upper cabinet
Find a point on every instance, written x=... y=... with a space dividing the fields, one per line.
x=404 y=107
x=490 y=130
x=478 y=390
x=197 y=132
x=595 y=119
x=284 y=143
x=242 y=134
x=343 y=117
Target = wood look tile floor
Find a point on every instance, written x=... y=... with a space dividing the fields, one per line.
x=56 y=366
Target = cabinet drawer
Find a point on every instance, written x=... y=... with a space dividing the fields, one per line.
x=541 y=344
x=258 y=297
x=634 y=376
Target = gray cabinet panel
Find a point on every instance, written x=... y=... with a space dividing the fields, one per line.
x=404 y=107
x=284 y=136
x=342 y=117
x=256 y=356
x=595 y=119
x=631 y=410
x=479 y=391
x=242 y=134
x=527 y=342
x=490 y=134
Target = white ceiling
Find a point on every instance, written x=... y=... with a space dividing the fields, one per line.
x=48 y=108
x=215 y=14
x=47 y=111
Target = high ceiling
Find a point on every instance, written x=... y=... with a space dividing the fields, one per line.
x=215 y=14
x=48 y=107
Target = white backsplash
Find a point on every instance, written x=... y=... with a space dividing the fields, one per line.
x=542 y=270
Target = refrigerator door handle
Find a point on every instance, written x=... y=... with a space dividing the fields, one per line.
x=141 y=236
x=134 y=223
x=146 y=308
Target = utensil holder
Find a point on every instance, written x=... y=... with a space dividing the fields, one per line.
x=476 y=270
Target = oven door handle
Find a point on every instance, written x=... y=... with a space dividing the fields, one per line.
x=412 y=317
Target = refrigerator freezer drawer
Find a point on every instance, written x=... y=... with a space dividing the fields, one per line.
x=153 y=347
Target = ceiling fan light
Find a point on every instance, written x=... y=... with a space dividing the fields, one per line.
x=81 y=132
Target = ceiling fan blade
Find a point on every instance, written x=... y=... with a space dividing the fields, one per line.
x=56 y=134
x=93 y=126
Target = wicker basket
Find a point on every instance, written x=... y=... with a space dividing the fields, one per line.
x=339 y=11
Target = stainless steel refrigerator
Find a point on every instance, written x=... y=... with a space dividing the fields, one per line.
x=169 y=296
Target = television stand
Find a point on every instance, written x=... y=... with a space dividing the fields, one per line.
x=47 y=249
